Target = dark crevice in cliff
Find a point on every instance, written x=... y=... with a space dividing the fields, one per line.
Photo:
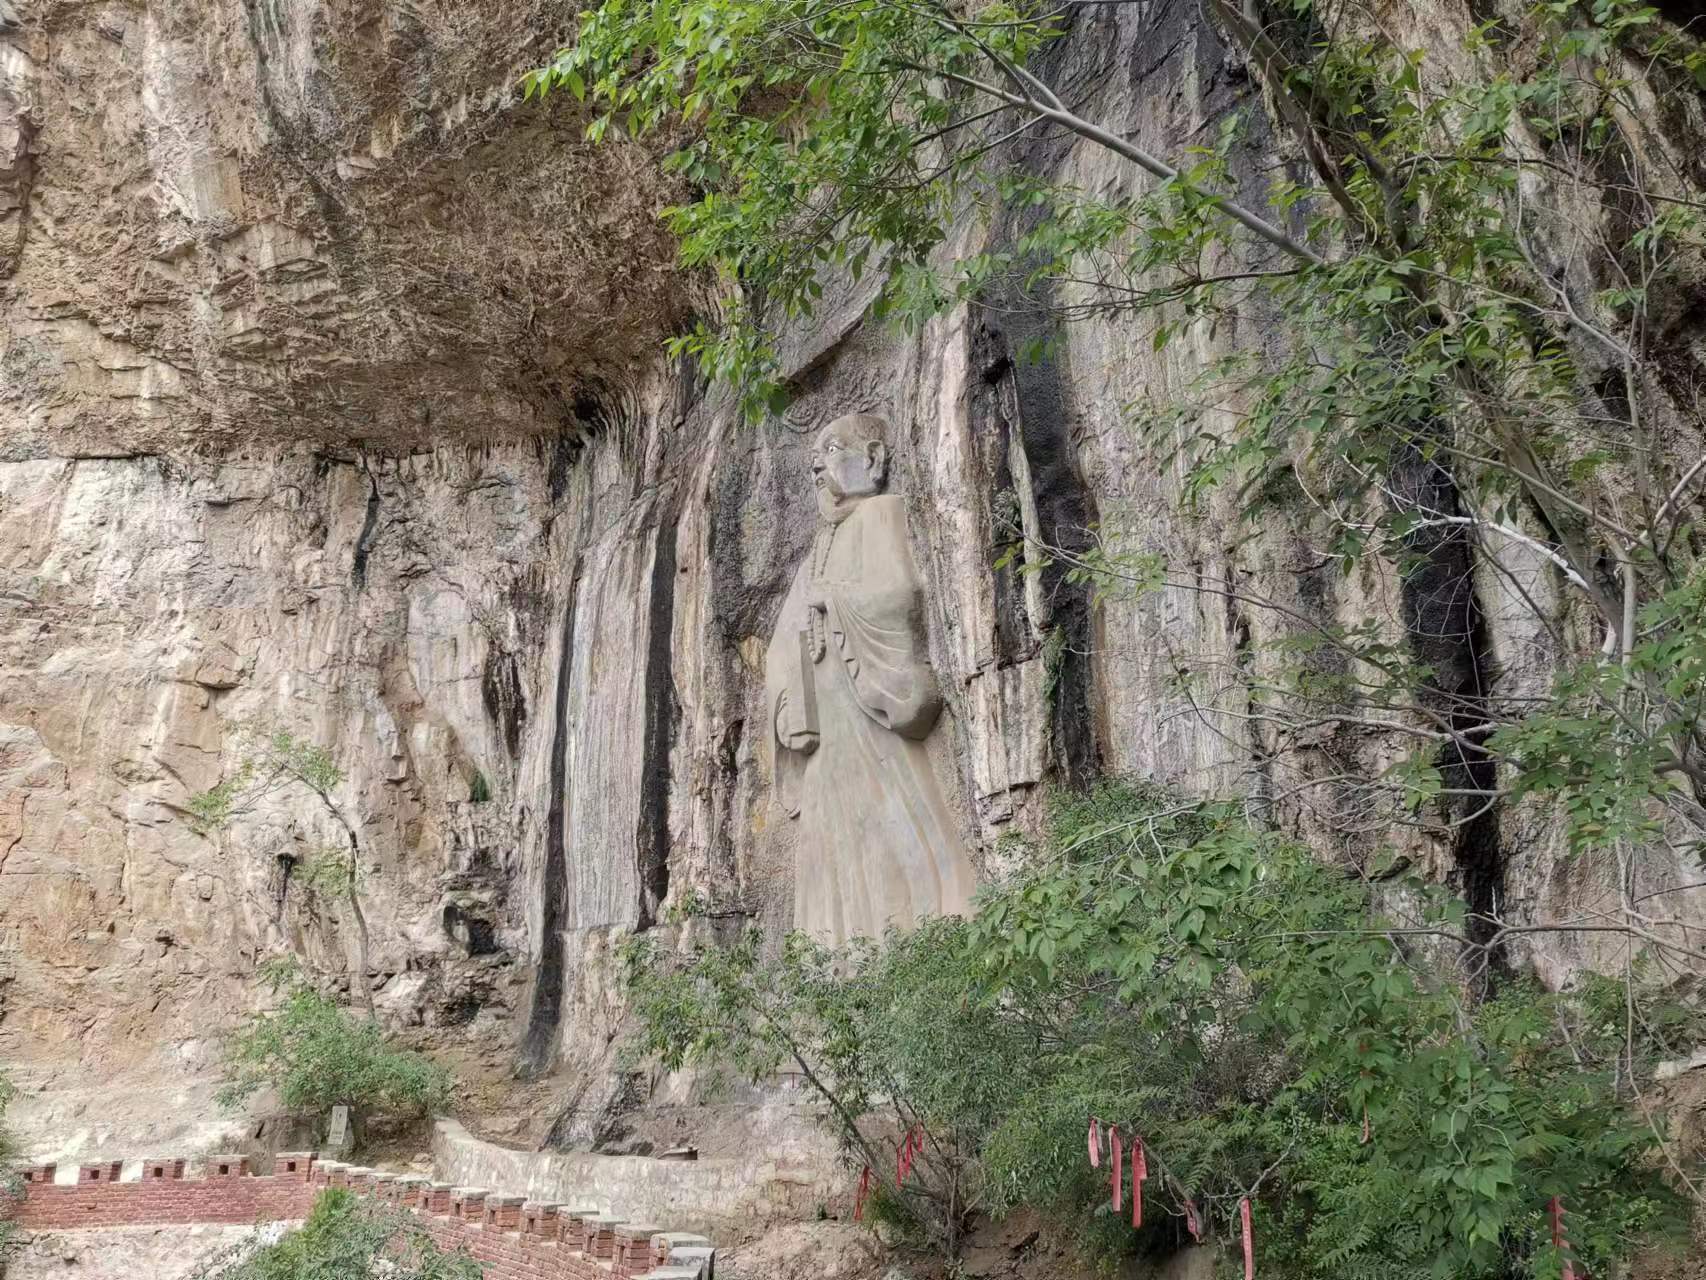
x=1261 y=772
x=739 y=608
x=547 y=1005
x=1447 y=631
x=651 y=839
x=476 y=935
x=1065 y=516
x=569 y=444
x=725 y=856
x=504 y=698
x=364 y=541
x=993 y=409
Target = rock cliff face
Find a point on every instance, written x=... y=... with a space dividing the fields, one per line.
x=330 y=398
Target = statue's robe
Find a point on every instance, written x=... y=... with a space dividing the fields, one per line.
x=852 y=698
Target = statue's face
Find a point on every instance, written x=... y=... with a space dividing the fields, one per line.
x=845 y=468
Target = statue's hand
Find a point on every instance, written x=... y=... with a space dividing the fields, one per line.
x=802 y=740
x=790 y=729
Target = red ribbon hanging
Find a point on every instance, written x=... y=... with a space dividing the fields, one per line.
x=1559 y=1241
x=1118 y=1168
x=1095 y=1141
x=864 y=1191
x=1139 y=1171
x=1367 y=1129
x=1191 y=1223
x=1249 y=1239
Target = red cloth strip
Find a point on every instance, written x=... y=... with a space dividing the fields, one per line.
x=1137 y=1175
x=864 y=1190
x=1249 y=1239
x=1559 y=1242
x=1191 y=1223
x=1095 y=1140
x=1118 y=1167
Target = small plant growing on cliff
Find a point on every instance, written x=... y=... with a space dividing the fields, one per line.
x=345 y=1238
x=317 y=1056
x=277 y=762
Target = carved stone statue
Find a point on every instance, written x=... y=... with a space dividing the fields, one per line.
x=852 y=699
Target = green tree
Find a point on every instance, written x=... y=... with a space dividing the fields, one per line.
x=276 y=761
x=1474 y=282
x=1252 y=1014
x=885 y=1034
x=345 y=1238
x=316 y=1056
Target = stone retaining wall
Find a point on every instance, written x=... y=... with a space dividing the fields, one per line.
x=787 y=1177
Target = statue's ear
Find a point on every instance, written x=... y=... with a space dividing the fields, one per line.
x=877 y=456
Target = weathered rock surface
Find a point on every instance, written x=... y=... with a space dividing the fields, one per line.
x=123 y=1253
x=224 y=222
x=330 y=398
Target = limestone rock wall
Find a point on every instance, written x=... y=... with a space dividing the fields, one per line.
x=224 y=221
x=330 y=399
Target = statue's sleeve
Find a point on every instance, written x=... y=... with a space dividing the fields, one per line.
x=878 y=625
x=793 y=720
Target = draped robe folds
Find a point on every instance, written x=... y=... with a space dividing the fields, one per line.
x=852 y=698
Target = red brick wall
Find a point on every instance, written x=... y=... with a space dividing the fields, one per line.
x=56 y=1207
x=505 y=1252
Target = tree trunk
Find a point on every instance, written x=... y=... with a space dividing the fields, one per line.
x=364 y=974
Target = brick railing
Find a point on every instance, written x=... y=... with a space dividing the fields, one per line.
x=226 y=1192
x=511 y=1237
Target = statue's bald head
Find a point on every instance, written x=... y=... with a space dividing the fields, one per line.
x=849 y=462
x=857 y=429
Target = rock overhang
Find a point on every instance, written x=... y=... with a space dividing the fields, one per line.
x=339 y=226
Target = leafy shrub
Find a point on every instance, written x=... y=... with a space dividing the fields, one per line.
x=318 y=1056
x=1246 y=1010
x=891 y=1036
x=343 y=1239
x=1270 y=1033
